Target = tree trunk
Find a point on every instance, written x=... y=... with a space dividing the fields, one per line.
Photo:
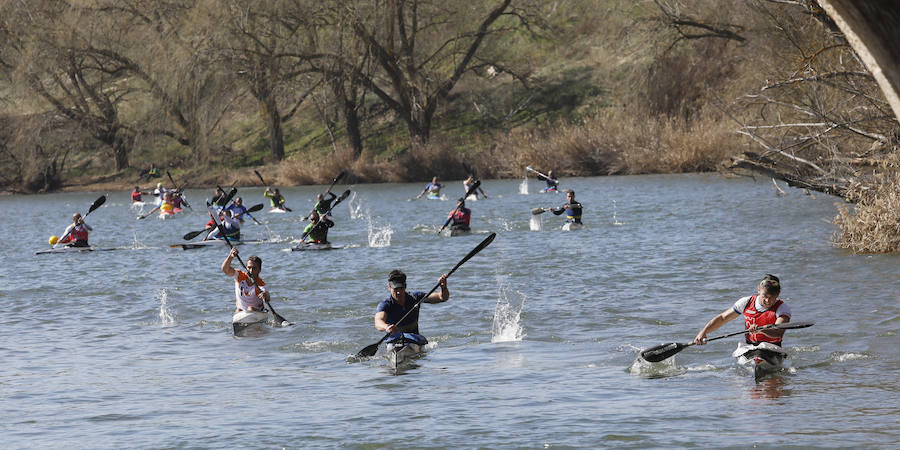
x=351 y=123
x=273 y=122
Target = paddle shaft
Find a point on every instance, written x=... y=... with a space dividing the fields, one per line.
x=100 y=200
x=221 y=228
x=535 y=171
x=372 y=349
x=472 y=189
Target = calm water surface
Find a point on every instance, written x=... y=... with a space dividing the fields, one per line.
x=536 y=348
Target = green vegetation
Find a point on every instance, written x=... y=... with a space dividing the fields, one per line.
x=401 y=90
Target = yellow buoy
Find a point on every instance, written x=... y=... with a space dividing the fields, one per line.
x=53 y=240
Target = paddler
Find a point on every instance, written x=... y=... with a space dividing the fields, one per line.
x=275 y=198
x=433 y=189
x=323 y=205
x=460 y=217
x=136 y=195
x=249 y=290
x=467 y=184
x=238 y=209
x=551 y=180
x=76 y=234
x=390 y=310
x=571 y=208
x=219 y=198
x=232 y=227
x=763 y=308
x=317 y=230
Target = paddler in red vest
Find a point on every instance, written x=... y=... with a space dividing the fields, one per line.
x=76 y=234
x=758 y=310
x=136 y=195
x=460 y=216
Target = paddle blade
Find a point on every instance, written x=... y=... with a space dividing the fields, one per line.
x=338 y=177
x=662 y=351
x=537 y=211
x=97 y=203
x=260 y=177
x=369 y=351
x=487 y=241
x=255 y=208
x=193 y=234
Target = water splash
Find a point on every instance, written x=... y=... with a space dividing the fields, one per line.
x=378 y=236
x=166 y=317
x=523 y=187
x=536 y=223
x=507 y=316
x=355 y=206
x=615 y=220
x=664 y=368
x=136 y=244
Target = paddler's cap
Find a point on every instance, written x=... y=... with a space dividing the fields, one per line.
x=771 y=283
x=396 y=279
x=158 y=184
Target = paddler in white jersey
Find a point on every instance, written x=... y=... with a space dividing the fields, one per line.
x=232 y=227
x=249 y=290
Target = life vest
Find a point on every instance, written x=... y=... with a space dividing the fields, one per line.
x=760 y=318
x=247 y=292
x=79 y=233
x=136 y=196
x=573 y=212
x=167 y=207
x=461 y=217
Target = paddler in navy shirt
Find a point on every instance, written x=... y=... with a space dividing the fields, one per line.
x=390 y=310
x=571 y=208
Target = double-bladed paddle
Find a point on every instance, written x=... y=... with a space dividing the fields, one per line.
x=472 y=189
x=372 y=349
x=665 y=351
x=97 y=203
x=537 y=211
x=278 y=318
x=194 y=234
x=336 y=202
x=528 y=168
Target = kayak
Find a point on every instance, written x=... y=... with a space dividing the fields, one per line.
x=460 y=232
x=213 y=243
x=277 y=211
x=549 y=190
x=241 y=321
x=572 y=226
x=764 y=358
x=72 y=250
x=433 y=196
x=303 y=246
x=402 y=348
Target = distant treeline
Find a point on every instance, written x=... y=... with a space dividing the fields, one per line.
x=399 y=90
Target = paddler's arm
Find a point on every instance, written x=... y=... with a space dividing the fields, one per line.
x=714 y=324
x=381 y=325
x=558 y=211
x=226 y=265
x=439 y=297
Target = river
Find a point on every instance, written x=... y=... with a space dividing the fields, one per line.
x=537 y=347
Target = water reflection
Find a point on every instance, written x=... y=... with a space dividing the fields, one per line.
x=771 y=387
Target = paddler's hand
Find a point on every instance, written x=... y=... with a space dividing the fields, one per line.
x=391 y=329
x=700 y=339
x=233 y=253
x=443 y=280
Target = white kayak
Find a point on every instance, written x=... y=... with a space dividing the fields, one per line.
x=72 y=250
x=402 y=350
x=304 y=246
x=241 y=321
x=764 y=358
x=277 y=211
x=572 y=226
